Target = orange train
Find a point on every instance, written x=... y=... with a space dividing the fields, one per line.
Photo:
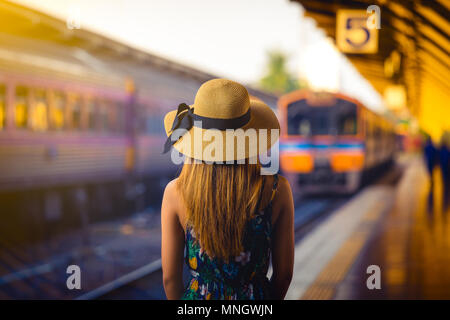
x=330 y=142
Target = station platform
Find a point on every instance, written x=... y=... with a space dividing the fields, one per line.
x=392 y=227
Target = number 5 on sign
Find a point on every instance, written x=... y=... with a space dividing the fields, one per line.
x=353 y=34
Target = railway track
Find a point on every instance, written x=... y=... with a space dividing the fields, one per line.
x=39 y=271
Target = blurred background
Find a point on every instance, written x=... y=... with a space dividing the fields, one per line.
x=361 y=89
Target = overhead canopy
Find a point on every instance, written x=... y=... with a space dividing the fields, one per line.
x=414 y=36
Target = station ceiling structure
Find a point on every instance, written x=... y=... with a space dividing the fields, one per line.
x=413 y=52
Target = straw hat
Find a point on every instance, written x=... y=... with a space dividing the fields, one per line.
x=223 y=124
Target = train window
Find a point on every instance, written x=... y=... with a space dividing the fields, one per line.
x=347 y=124
x=346 y=117
x=2 y=107
x=305 y=127
x=370 y=126
x=112 y=117
x=377 y=132
x=39 y=111
x=91 y=115
x=115 y=117
x=299 y=124
x=120 y=118
x=57 y=111
x=321 y=118
x=75 y=113
x=21 y=107
x=298 y=119
x=306 y=120
x=141 y=119
x=103 y=115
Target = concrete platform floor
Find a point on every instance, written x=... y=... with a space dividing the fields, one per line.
x=390 y=227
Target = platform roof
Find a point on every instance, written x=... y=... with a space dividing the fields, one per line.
x=420 y=32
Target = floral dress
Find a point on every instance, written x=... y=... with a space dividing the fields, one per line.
x=245 y=277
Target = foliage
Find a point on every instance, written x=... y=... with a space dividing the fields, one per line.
x=277 y=79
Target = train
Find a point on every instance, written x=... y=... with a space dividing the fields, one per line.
x=81 y=125
x=332 y=143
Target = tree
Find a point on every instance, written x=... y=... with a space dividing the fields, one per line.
x=277 y=79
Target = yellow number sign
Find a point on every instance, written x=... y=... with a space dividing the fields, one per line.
x=353 y=34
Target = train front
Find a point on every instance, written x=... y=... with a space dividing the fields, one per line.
x=322 y=148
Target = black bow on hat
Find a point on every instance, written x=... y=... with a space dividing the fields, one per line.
x=185 y=117
x=184 y=120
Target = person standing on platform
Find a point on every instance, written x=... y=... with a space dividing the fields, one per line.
x=430 y=154
x=444 y=161
x=231 y=220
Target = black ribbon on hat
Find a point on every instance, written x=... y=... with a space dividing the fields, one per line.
x=185 y=119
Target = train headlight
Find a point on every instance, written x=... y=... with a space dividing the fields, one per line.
x=296 y=162
x=347 y=162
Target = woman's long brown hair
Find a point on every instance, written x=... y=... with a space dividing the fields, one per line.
x=220 y=199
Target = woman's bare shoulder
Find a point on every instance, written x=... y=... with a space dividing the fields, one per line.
x=285 y=182
x=173 y=200
x=283 y=197
x=283 y=186
x=171 y=187
x=171 y=193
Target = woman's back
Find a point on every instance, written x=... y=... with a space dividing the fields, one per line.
x=241 y=277
x=213 y=210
